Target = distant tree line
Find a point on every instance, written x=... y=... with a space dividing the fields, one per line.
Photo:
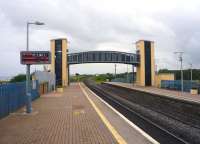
x=186 y=73
x=18 y=78
x=110 y=76
x=99 y=78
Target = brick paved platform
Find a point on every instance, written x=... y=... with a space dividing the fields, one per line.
x=58 y=118
x=169 y=93
x=71 y=118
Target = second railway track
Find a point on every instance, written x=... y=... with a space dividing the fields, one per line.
x=151 y=122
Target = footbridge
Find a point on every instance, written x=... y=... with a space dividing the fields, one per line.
x=103 y=57
x=143 y=60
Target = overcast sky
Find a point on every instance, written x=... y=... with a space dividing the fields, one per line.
x=174 y=25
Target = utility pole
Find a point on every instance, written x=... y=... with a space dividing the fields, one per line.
x=191 y=72
x=127 y=74
x=133 y=73
x=180 y=56
x=115 y=70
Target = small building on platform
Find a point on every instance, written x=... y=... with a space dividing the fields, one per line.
x=46 y=81
x=163 y=76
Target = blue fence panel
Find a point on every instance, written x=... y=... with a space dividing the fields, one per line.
x=13 y=96
x=4 y=109
x=176 y=85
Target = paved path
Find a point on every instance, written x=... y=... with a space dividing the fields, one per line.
x=169 y=93
x=66 y=118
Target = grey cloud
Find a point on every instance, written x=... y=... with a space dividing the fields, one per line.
x=89 y=26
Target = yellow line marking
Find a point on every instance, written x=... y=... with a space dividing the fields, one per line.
x=114 y=132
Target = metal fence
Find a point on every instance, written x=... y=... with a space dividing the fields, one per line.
x=124 y=79
x=176 y=85
x=13 y=96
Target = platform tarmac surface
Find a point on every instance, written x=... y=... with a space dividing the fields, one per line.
x=68 y=118
x=186 y=96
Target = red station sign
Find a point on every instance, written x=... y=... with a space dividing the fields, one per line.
x=35 y=57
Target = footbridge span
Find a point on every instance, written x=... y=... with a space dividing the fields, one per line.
x=103 y=57
x=143 y=60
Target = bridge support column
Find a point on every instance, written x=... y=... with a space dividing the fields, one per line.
x=59 y=63
x=145 y=70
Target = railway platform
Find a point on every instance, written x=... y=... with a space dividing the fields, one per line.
x=76 y=116
x=162 y=92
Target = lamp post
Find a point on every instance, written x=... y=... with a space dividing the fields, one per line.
x=181 y=60
x=28 y=89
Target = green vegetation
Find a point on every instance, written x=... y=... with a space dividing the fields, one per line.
x=98 y=78
x=103 y=77
x=18 y=78
x=186 y=73
x=79 y=77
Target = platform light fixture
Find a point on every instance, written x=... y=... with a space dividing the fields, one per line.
x=28 y=91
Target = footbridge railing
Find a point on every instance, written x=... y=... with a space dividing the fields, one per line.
x=103 y=57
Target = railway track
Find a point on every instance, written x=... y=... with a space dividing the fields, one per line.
x=146 y=119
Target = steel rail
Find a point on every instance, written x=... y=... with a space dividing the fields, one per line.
x=110 y=97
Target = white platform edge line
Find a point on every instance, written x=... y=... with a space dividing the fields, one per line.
x=152 y=140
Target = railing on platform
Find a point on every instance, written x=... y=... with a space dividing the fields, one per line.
x=176 y=85
x=13 y=96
